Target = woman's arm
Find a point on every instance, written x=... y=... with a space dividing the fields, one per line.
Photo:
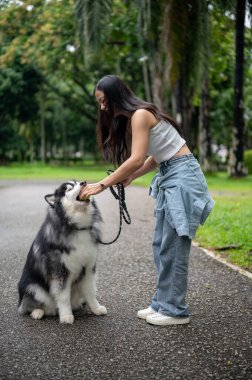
x=141 y=122
x=149 y=165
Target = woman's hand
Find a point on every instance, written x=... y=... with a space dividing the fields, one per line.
x=91 y=189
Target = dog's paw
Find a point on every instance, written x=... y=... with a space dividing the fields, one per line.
x=69 y=319
x=37 y=313
x=100 y=310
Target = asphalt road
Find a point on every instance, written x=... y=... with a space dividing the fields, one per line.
x=217 y=344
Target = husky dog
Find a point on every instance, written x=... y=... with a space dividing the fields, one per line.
x=59 y=273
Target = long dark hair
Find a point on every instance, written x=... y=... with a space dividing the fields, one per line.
x=113 y=126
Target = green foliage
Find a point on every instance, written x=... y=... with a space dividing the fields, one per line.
x=221 y=77
x=43 y=37
x=92 y=17
x=55 y=45
x=188 y=35
x=18 y=87
x=248 y=160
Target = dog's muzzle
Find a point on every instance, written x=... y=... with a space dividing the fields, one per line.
x=86 y=200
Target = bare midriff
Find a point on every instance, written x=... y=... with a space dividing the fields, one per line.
x=182 y=151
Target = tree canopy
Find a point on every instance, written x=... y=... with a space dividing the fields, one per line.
x=53 y=52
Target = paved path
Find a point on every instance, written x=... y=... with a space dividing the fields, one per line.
x=217 y=344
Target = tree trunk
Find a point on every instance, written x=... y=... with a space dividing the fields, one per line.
x=146 y=78
x=236 y=166
x=178 y=97
x=187 y=119
x=31 y=151
x=64 y=135
x=205 y=151
x=156 y=71
x=183 y=109
x=42 y=125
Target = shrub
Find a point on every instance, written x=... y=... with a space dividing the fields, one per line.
x=248 y=160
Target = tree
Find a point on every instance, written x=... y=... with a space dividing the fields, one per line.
x=19 y=86
x=92 y=17
x=42 y=39
x=44 y=36
x=236 y=157
x=178 y=54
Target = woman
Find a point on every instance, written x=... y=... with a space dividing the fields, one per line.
x=129 y=130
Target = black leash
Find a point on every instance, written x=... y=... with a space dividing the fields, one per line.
x=123 y=212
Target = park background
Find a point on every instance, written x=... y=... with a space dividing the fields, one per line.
x=193 y=59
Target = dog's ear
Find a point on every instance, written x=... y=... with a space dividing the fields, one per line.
x=50 y=199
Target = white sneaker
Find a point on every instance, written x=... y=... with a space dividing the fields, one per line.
x=143 y=314
x=164 y=320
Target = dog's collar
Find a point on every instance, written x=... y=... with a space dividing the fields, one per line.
x=83 y=229
x=73 y=227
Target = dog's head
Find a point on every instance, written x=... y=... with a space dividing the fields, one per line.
x=66 y=203
x=68 y=193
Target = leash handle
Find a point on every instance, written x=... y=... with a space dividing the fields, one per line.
x=123 y=212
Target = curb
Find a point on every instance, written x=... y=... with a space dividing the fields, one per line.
x=223 y=261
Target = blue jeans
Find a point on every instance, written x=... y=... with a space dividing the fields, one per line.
x=171 y=257
x=182 y=203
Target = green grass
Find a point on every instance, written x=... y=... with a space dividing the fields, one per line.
x=49 y=172
x=222 y=182
x=230 y=223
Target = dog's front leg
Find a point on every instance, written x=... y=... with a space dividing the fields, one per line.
x=88 y=291
x=61 y=294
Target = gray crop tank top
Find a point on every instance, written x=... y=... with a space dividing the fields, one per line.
x=164 y=141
